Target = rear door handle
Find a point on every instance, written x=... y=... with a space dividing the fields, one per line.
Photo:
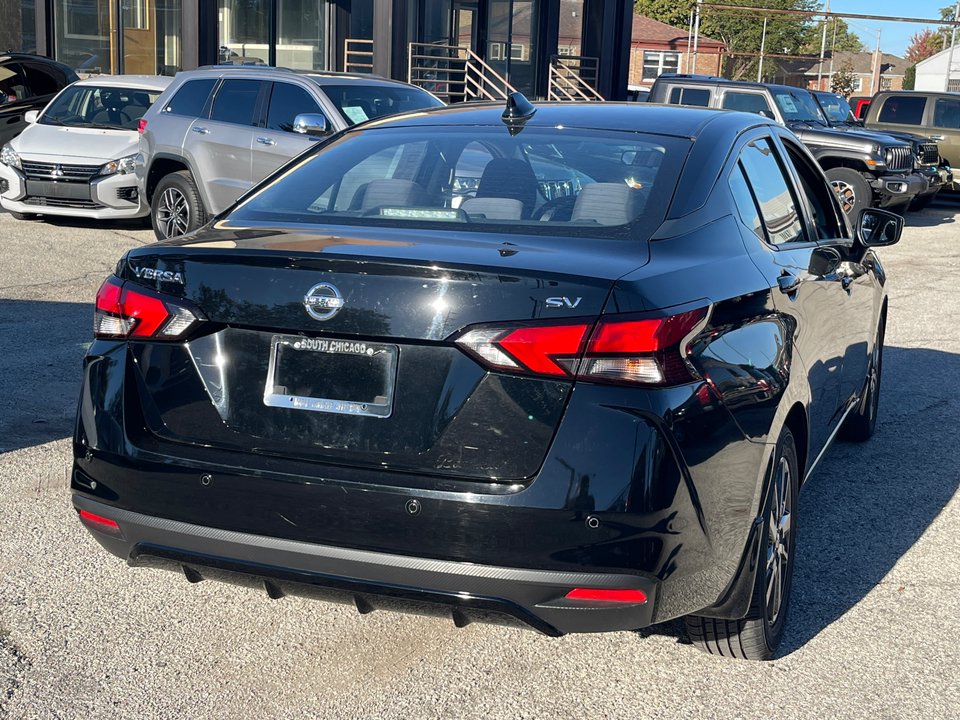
x=788 y=283
x=201 y=130
x=266 y=141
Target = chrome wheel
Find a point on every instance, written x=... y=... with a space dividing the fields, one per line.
x=173 y=212
x=846 y=193
x=779 y=541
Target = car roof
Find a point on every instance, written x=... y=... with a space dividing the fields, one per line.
x=630 y=117
x=138 y=82
x=321 y=77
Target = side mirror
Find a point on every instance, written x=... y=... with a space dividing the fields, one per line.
x=876 y=228
x=314 y=124
x=31 y=116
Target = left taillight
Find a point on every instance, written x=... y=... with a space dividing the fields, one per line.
x=614 y=349
x=129 y=311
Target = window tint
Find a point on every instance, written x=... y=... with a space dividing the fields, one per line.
x=821 y=198
x=746 y=102
x=946 y=113
x=690 y=96
x=190 y=99
x=746 y=204
x=364 y=102
x=286 y=102
x=903 y=109
x=11 y=83
x=235 y=101
x=41 y=80
x=771 y=188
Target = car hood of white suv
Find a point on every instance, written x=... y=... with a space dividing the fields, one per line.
x=78 y=145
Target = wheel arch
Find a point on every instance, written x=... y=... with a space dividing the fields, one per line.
x=162 y=166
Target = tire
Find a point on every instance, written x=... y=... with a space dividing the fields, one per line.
x=22 y=216
x=176 y=208
x=862 y=422
x=922 y=201
x=758 y=635
x=853 y=191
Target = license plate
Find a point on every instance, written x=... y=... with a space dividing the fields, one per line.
x=346 y=377
x=49 y=188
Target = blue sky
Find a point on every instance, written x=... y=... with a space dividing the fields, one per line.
x=894 y=36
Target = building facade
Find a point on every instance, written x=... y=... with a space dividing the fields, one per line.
x=518 y=40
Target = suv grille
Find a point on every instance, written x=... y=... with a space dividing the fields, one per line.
x=48 y=171
x=899 y=158
x=928 y=153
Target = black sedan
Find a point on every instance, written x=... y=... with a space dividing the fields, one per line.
x=578 y=413
x=27 y=82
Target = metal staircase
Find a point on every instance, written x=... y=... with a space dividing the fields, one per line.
x=573 y=77
x=454 y=73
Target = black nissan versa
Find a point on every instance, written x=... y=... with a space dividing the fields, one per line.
x=578 y=406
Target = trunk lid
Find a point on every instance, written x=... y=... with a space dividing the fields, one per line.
x=336 y=347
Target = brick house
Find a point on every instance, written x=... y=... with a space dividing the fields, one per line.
x=657 y=48
x=803 y=72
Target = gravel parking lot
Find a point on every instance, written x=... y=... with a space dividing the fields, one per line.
x=874 y=627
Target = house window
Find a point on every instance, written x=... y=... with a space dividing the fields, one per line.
x=858 y=84
x=657 y=63
x=886 y=83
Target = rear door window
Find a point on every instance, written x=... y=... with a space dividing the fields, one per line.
x=690 y=96
x=946 y=114
x=236 y=101
x=770 y=186
x=191 y=98
x=903 y=110
x=286 y=102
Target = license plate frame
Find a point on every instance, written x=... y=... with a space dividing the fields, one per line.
x=62 y=190
x=380 y=359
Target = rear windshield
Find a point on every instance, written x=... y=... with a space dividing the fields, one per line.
x=551 y=181
x=365 y=102
x=101 y=107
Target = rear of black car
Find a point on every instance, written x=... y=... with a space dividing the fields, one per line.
x=348 y=391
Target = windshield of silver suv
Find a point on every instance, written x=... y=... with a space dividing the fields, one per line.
x=798 y=106
x=358 y=103
x=106 y=107
x=544 y=180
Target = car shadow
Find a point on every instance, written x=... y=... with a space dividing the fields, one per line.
x=63 y=221
x=40 y=369
x=867 y=504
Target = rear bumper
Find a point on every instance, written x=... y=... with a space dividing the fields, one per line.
x=369 y=580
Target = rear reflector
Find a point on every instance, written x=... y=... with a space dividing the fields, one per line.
x=100 y=524
x=124 y=310
x=618 y=349
x=608 y=595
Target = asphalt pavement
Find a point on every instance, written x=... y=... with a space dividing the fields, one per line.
x=874 y=626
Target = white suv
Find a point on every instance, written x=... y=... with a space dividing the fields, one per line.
x=219 y=130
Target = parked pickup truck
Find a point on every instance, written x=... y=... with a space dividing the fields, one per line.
x=865 y=170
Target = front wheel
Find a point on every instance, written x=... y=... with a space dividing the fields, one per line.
x=758 y=635
x=852 y=190
x=176 y=208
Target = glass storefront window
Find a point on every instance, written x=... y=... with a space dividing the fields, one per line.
x=151 y=36
x=244 y=32
x=301 y=37
x=82 y=30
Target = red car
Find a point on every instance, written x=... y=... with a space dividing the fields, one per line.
x=859 y=105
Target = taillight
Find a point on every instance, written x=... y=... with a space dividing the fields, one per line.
x=141 y=125
x=128 y=311
x=619 y=349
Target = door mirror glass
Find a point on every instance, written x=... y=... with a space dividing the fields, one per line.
x=314 y=124
x=876 y=228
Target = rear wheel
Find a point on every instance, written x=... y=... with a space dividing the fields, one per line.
x=176 y=208
x=758 y=635
x=862 y=422
x=853 y=191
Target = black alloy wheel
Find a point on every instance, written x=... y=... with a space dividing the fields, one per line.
x=852 y=190
x=862 y=422
x=758 y=635
x=176 y=207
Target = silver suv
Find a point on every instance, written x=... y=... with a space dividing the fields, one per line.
x=218 y=130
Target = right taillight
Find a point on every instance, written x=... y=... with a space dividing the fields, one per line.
x=125 y=311
x=141 y=125
x=617 y=349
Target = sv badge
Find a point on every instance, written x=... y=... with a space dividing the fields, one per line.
x=559 y=302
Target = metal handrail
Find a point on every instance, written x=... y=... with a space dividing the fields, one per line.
x=458 y=66
x=359 y=67
x=573 y=77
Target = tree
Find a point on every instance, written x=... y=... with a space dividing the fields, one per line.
x=844 y=80
x=839 y=38
x=910 y=77
x=923 y=45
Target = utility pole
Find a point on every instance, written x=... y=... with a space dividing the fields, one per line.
x=953 y=41
x=696 y=35
x=823 y=47
x=763 y=44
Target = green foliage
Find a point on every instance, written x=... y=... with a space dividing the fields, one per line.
x=839 y=38
x=910 y=77
x=844 y=80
